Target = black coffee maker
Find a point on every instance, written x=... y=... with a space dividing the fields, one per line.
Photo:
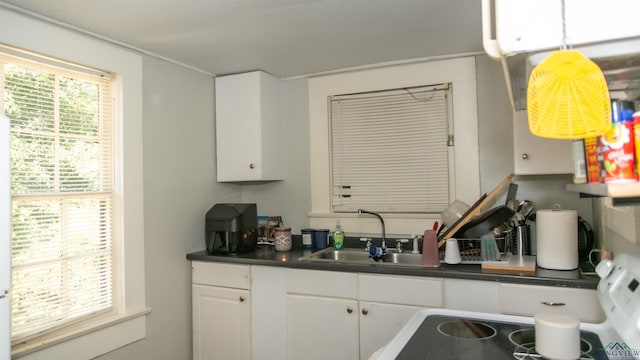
x=231 y=229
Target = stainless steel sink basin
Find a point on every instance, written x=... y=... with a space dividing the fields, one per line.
x=359 y=256
x=405 y=258
x=340 y=255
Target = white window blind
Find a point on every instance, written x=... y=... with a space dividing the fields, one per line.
x=61 y=183
x=390 y=150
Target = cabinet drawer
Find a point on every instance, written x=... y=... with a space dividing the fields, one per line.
x=218 y=274
x=530 y=300
x=401 y=290
x=485 y=296
x=322 y=283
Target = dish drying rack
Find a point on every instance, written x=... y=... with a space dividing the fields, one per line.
x=471 y=251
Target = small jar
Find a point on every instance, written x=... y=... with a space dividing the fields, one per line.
x=282 y=239
x=307 y=238
x=321 y=238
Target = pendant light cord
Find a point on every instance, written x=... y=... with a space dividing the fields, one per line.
x=564 y=26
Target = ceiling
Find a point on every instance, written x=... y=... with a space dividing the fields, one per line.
x=287 y=38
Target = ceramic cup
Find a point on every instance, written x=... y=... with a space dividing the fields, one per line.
x=321 y=238
x=557 y=336
x=307 y=238
x=452 y=252
x=282 y=239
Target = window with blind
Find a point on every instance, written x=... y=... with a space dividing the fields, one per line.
x=391 y=150
x=62 y=189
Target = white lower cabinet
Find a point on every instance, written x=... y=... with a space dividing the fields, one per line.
x=471 y=295
x=379 y=323
x=221 y=314
x=263 y=312
x=321 y=328
x=322 y=315
x=352 y=315
x=268 y=313
x=387 y=302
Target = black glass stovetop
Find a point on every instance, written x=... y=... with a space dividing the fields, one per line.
x=442 y=337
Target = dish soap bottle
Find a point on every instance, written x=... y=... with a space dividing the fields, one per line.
x=338 y=237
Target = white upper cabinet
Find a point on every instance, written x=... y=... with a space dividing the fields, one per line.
x=530 y=25
x=534 y=155
x=248 y=127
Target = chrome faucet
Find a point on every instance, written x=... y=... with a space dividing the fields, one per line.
x=368 y=245
x=399 y=242
x=384 y=243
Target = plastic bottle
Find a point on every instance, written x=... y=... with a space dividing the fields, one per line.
x=338 y=237
x=579 y=162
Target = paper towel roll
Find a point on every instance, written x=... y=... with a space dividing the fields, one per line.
x=557 y=239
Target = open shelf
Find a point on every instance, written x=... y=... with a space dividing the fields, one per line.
x=623 y=194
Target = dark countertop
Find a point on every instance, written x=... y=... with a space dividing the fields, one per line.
x=267 y=256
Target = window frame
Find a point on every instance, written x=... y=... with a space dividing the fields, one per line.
x=41 y=193
x=464 y=180
x=127 y=324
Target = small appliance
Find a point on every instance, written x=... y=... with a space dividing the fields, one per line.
x=231 y=229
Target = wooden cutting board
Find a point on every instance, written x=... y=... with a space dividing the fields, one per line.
x=520 y=264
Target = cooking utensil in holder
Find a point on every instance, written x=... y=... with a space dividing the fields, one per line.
x=522 y=243
x=471 y=251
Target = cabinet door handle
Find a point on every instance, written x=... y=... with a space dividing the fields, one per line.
x=552 y=303
x=349 y=309
x=252 y=166
x=525 y=156
x=241 y=298
x=365 y=311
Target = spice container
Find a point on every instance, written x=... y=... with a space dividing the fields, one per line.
x=636 y=136
x=618 y=145
x=282 y=239
x=321 y=238
x=307 y=238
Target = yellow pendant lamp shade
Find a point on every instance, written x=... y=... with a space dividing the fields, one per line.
x=568 y=98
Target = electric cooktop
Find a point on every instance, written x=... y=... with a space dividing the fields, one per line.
x=442 y=334
x=446 y=337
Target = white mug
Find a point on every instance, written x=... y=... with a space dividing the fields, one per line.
x=452 y=252
x=605 y=254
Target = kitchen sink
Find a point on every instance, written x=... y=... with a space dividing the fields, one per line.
x=404 y=258
x=359 y=256
x=340 y=255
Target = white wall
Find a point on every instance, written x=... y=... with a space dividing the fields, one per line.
x=179 y=187
x=619 y=227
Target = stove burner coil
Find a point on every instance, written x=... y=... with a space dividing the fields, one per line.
x=466 y=329
x=525 y=342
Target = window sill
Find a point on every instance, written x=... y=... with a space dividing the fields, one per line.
x=86 y=340
x=399 y=225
